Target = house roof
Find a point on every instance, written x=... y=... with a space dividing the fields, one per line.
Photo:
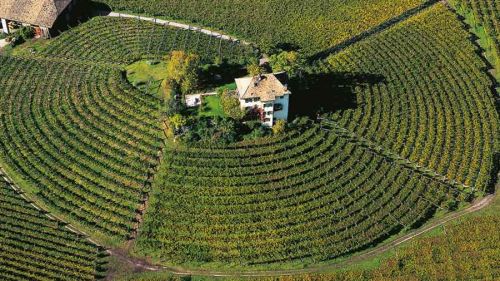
x=36 y=12
x=266 y=86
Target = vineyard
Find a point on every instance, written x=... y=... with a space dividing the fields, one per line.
x=34 y=247
x=433 y=82
x=123 y=41
x=484 y=14
x=310 y=197
x=406 y=130
x=83 y=140
x=313 y=27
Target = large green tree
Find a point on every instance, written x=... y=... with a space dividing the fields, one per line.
x=231 y=105
x=183 y=70
x=292 y=62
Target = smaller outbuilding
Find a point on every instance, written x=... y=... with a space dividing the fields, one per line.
x=267 y=94
x=41 y=14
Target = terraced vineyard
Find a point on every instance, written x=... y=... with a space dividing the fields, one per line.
x=34 y=247
x=313 y=197
x=435 y=104
x=81 y=138
x=124 y=40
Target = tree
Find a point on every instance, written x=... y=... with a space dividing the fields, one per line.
x=183 y=70
x=279 y=127
x=231 y=105
x=292 y=62
x=177 y=121
x=254 y=69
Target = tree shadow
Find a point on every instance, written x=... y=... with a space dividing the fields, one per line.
x=328 y=92
x=82 y=11
x=213 y=75
x=284 y=46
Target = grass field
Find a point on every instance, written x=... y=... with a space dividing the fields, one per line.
x=147 y=75
x=211 y=107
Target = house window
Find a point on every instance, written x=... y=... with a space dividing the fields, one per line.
x=256 y=99
x=282 y=97
x=268 y=105
x=267 y=119
x=269 y=113
x=278 y=107
x=248 y=100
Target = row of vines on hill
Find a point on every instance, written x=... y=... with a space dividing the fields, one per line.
x=310 y=198
x=34 y=247
x=124 y=40
x=81 y=138
x=433 y=103
x=484 y=14
x=465 y=250
x=312 y=26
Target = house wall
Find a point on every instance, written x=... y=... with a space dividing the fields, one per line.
x=254 y=103
x=285 y=102
x=271 y=115
x=5 y=27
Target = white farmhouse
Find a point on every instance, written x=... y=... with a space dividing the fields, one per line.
x=267 y=94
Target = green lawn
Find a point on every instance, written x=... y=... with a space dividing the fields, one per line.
x=211 y=107
x=230 y=87
x=140 y=73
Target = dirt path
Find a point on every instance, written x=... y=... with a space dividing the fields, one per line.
x=179 y=25
x=143 y=265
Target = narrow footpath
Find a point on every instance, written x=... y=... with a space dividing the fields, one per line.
x=179 y=25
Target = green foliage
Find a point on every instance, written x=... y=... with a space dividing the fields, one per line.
x=250 y=203
x=33 y=246
x=291 y=62
x=27 y=32
x=211 y=107
x=254 y=69
x=152 y=276
x=123 y=41
x=465 y=251
x=177 y=121
x=484 y=14
x=279 y=127
x=231 y=105
x=211 y=131
x=312 y=26
x=21 y=35
x=423 y=76
x=183 y=70
x=84 y=138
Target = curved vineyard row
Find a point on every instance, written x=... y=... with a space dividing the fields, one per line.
x=124 y=40
x=34 y=247
x=310 y=198
x=81 y=138
x=435 y=104
x=312 y=27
